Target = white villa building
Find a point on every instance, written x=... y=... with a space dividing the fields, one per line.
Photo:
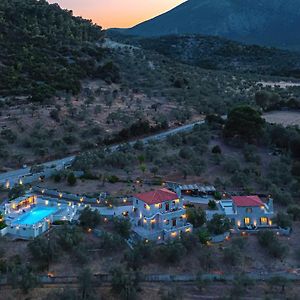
x=248 y=212
x=159 y=215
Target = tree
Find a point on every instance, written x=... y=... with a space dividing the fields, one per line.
x=244 y=122
x=212 y=204
x=216 y=149
x=124 y=284
x=71 y=179
x=16 y=191
x=122 y=227
x=219 y=224
x=204 y=236
x=294 y=211
x=85 y=279
x=197 y=217
x=283 y=220
x=89 y=218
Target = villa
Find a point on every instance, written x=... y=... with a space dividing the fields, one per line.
x=159 y=215
x=29 y=216
x=247 y=212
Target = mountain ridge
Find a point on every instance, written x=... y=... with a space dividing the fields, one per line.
x=262 y=22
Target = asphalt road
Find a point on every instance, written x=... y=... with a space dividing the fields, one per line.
x=14 y=176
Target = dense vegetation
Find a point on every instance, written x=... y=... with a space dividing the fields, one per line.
x=45 y=49
x=216 y=53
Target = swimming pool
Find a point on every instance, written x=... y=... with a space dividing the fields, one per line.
x=35 y=215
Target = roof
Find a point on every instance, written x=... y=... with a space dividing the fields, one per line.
x=247 y=201
x=157 y=196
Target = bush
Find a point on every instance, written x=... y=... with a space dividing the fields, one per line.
x=171 y=252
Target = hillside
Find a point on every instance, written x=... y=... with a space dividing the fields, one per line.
x=263 y=22
x=45 y=49
x=210 y=52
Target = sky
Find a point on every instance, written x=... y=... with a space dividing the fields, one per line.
x=118 y=13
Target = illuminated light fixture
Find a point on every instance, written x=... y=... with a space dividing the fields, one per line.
x=110 y=205
x=188 y=230
x=105 y=219
x=60 y=195
x=147 y=207
x=156 y=205
x=152 y=221
x=58 y=204
x=239 y=223
x=43 y=191
x=176 y=200
x=90 y=230
x=14 y=206
x=174 y=234
x=146 y=241
x=141 y=215
x=70 y=203
x=124 y=200
x=145 y=221
x=81 y=199
x=20 y=182
x=184 y=216
x=46 y=202
x=262 y=207
x=254 y=222
x=79 y=204
x=7 y=184
x=98 y=201
x=270 y=222
x=159 y=238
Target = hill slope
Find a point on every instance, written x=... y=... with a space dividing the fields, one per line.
x=263 y=22
x=45 y=49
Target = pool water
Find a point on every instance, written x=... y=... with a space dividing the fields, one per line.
x=35 y=215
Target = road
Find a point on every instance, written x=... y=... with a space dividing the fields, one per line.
x=14 y=177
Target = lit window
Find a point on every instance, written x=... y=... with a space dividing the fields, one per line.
x=247 y=221
x=264 y=220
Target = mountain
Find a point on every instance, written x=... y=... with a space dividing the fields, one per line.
x=263 y=22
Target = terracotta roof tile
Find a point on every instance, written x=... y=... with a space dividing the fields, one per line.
x=157 y=196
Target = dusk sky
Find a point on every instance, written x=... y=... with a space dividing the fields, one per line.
x=118 y=13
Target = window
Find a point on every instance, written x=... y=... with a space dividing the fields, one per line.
x=263 y=220
x=173 y=222
x=249 y=210
x=167 y=206
x=136 y=201
x=247 y=221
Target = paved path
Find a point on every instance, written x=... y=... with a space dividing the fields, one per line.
x=14 y=176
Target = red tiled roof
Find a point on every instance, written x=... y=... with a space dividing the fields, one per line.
x=157 y=196
x=247 y=201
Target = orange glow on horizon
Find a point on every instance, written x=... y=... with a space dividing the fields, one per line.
x=118 y=13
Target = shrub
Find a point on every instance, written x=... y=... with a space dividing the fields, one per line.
x=171 y=252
